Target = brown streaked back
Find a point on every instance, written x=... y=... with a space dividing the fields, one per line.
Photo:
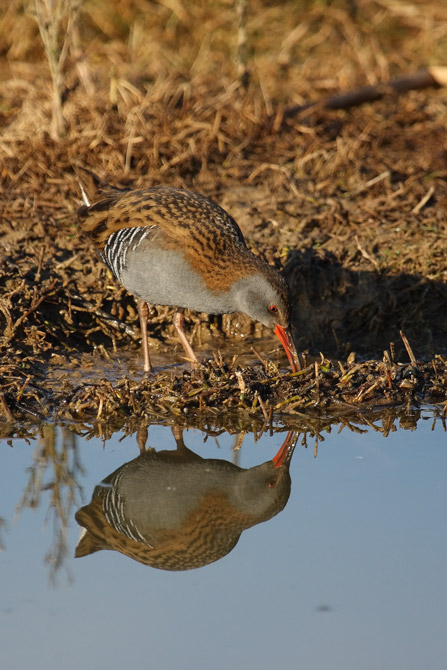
x=208 y=237
x=177 y=212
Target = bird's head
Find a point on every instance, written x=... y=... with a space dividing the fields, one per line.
x=265 y=297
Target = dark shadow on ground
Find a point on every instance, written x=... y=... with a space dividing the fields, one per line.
x=337 y=310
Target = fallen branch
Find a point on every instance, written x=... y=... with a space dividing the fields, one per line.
x=432 y=77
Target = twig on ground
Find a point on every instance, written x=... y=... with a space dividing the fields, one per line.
x=408 y=348
x=432 y=77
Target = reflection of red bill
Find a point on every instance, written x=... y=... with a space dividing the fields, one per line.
x=286 y=339
x=285 y=452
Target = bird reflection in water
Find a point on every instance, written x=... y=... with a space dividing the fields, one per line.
x=174 y=510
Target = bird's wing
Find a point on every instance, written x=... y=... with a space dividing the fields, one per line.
x=180 y=216
x=179 y=220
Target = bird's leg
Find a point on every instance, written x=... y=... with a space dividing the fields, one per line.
x=143 y=312
x=190 y=355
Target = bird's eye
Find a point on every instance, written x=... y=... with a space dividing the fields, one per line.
x=273 y=309
x=272 y=484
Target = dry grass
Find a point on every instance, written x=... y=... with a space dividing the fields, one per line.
x=351 y=203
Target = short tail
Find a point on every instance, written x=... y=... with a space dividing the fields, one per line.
x=85 y=200
x=93 y=186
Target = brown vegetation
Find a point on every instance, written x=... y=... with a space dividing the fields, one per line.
x=351 y=203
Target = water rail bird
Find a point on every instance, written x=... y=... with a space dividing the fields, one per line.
x=170 y=246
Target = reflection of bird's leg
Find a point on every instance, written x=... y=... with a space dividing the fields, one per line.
x=142 y=438
x=178 y=437
x=237 y=444
x=178 y=323
x=143 y=311
x=182 y=454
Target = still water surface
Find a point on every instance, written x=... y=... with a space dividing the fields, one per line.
x=351 y=574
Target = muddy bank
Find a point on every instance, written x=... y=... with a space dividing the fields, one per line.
x=350 y=204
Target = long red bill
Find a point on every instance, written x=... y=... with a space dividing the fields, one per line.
x=286 y=339
x=284 y=455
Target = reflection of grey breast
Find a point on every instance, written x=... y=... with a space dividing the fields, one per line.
x=141 y=502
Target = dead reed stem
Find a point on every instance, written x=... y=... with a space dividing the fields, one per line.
x=56 y=19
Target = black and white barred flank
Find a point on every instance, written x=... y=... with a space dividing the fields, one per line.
x=119 y=244
x=113 y=506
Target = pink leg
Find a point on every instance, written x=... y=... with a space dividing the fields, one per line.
x=190 y=355
x=143 y=311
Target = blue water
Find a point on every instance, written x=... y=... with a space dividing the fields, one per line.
x=351 y=575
